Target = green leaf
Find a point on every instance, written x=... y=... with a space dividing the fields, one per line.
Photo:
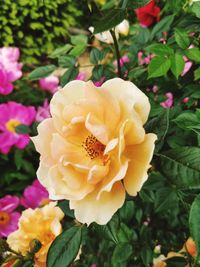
x=162 y=26
x=60 y=51
x=41 y=72
x=97 y=72
x=112 y=18
x=22 y=129
x=182 y=166
x=197 y=74
x=182 y=38
x=166 y=198
x=121 y=253
x=138 y=3
x=64 y=206
x=146 y=255
x=66 y=61
x=78 y=50
x=158 y=66
x=194 y=224
x=79 y=39
x=193 y=54
x=127 y=211
x=195 y=8
x=95 y=56
x=65 y=248
x=159 y=125
x=68 y=76
x=160 y=49
x=188 y=121
x=177 y=64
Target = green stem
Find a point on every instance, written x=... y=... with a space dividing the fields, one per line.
x=125 y=2
x=119 y=71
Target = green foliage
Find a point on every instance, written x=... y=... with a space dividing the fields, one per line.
x=37 y=27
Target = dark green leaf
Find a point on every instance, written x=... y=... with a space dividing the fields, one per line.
x=159 y=125
x=41 y=72
x=176 y=262
x=158 y=66
x=197 y=74
x=122 y=253
x=64 y=206
x=95 y=56
x=146 y=255
x=182 y=165
x=22 y=129
x=166 y=198
x=68 y=76
x=127 y=211
x=112 y=18
x=194 y=223
x=97 y=72
x=188 y=121
x=66 y=61
x=162 y=26
x=65 y=248
x=137 y=3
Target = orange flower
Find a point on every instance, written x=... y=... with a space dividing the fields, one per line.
x=191 y=247
x=94 y=148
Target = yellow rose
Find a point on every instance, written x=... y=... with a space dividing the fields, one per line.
x=42 y=224
x=94 y=148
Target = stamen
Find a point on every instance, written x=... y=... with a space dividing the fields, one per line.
x=93 y=147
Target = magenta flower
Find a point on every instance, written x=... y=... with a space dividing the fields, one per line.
x=6 y=86
x=99 y=82
x=43 y=112
x=10 y=69
x=35 y=196
x=144 y=60
x=13 y=114
x=169 y=102
x=122 y=60
x=8 y=217
x=81 y=76
x=50 y=84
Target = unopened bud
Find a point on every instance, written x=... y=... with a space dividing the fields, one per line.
x=35 y=245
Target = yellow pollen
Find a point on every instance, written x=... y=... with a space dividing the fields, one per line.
x=4 y=218
x=93 y=147
x=11 y=124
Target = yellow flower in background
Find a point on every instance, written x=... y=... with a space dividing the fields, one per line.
x=94 y=148
x=101 y=2
x=42 y=224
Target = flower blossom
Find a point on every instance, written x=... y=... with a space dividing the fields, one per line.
x=34 y=196
x=42 y=224
x=169 y=102
x=191 y=247
x=13 y=114
x=10 y=69
x=43 y=112
x=106 y=37
x=50 y=84
x=8 y=216
x=81 y=76
x=94 y=148
x=148 y=14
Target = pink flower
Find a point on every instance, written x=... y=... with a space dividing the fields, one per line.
x=81 y=76
x=187 y=67
x=185 y=100
x=123 y=60
x=43 y=112
x=50 y=83
x=13 y=114
x=8 y=217
x=144 y=60
x=169 y=102
x=10 y=69
x=6 y=86
x=35 y=196
x=94 y=265
x=99 y=82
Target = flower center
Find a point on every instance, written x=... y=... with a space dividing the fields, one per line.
x=12 y=124
x=93 y=147
x=4 y=218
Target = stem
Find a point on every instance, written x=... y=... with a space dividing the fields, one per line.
x=119 y=71
x=125 y=2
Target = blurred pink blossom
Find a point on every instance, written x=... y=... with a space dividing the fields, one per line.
x=94 y=265
x=123 y=60
x=13 y=114
x=34 y=196
x=43 y=112
x=99 y=82
x=144 y=59
x=187 y=67
x=50 y=84
x=169 y=102
x=8 y=216
x=185 y=100
x=81 y=76
x=10 y=69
